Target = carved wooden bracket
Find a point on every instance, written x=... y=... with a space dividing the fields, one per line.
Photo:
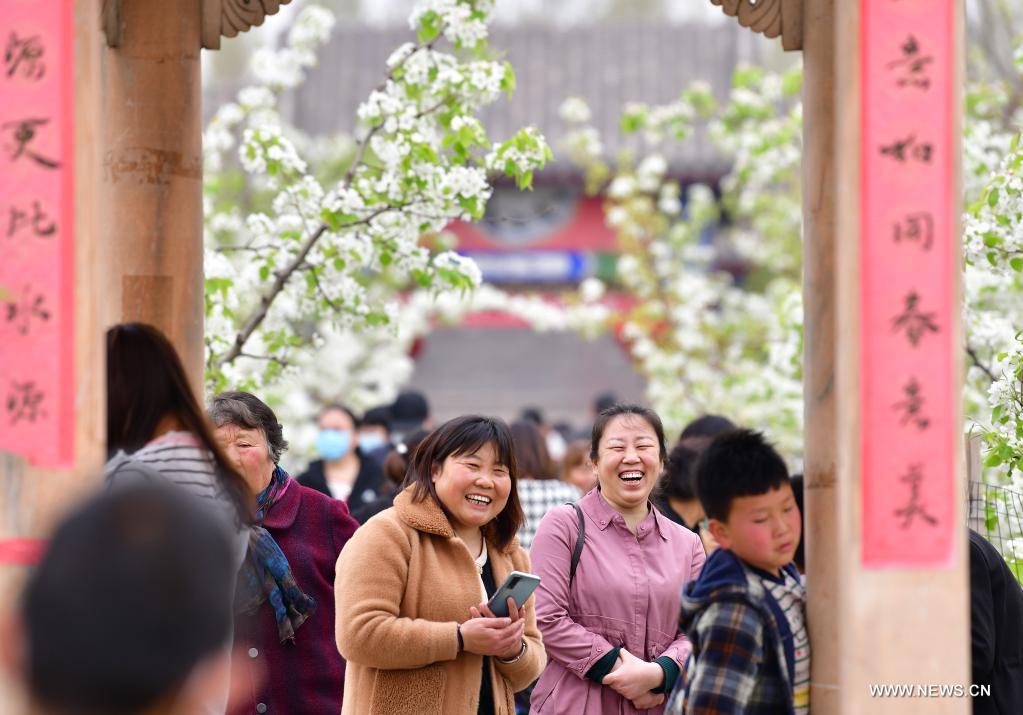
x=771 y=18
x=227 y=18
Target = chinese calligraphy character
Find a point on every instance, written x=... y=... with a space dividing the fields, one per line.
x=913 y=64
x=913 y=477
x=25 y=55
x=24 y=402
x=909 y=148
x=23 y=131
x=912 y=406
x=916 y=228
x=913 y=321
x=22 y=312
x=37 y=220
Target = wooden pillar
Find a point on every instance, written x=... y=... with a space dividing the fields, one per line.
x=821 y=447
x=152 y=170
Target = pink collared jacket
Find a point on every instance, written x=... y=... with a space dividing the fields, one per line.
x=626 y=593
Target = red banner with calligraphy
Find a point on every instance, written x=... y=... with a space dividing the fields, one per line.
x=908 y=282
x=36 y=231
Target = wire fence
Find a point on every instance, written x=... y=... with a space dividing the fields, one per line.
x=996 y=513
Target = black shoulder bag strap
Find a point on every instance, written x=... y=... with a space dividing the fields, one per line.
x=578 y=550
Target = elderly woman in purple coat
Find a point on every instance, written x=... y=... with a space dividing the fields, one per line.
x=284 y=632
x=611 y=630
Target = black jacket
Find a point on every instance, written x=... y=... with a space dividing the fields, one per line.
x=368 y=487
x=996 y=626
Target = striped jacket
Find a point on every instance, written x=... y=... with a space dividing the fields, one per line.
x=743 y=659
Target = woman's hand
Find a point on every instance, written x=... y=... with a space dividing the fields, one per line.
x=634 y=678
x=486 y=634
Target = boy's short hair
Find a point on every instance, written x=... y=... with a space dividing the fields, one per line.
x=132 y=593
x=737 y=464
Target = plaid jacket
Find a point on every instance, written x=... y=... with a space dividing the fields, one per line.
x=742 y=659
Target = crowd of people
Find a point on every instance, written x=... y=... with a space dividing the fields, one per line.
x=205 y=578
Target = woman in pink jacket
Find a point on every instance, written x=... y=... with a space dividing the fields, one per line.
x=611 y=630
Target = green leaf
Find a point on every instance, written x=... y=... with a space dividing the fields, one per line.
x=633 y=121
x=792 y=83
x=264 y=272
x=429 y=27
x=508 y=82
x=992 y=197
x=1017 y=264
x=990 y=517
x=993 y=459
x=471 y=206
x=422 y=277
x=747 y=76
x=376 y=319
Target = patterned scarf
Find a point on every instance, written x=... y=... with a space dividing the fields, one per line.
x=266 y=574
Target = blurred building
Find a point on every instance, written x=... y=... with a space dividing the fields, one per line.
x=554 y=236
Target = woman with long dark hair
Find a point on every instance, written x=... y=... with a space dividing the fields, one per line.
x=413 y=583
x=157 y=431
x=156 y=426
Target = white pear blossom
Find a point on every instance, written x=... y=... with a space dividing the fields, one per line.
x=575 y=110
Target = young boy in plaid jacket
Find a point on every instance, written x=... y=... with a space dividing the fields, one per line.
x=745 y=612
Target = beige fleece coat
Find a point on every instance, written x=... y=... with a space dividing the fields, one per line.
x=402 y=584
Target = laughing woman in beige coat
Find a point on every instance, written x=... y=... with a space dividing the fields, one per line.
x=412 y=585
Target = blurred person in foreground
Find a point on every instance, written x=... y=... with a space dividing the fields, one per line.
x=538 y=486
x=343 y=471
x=413 y=585
x=610 y=621
x=285 y=601
x=128 y=612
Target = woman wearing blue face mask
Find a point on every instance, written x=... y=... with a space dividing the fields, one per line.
x=342 y=471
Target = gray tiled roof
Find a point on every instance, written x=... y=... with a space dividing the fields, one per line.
x=608 y=65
